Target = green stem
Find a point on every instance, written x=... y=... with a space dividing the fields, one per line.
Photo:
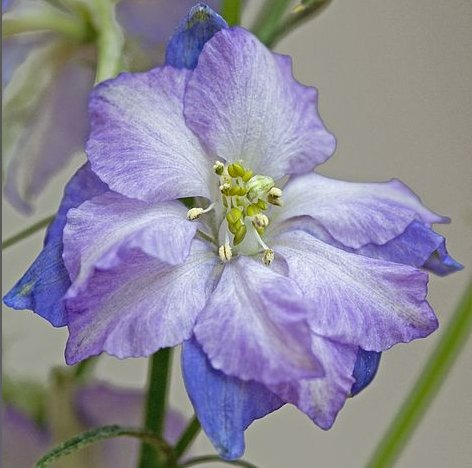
x=427 y=385
x=27 y=232
x=269 y=18
x=231 y=11
x=305 y=11
x=56 y=22
x=109 y=40
x=155 y=409
x=187 y=437
x=215 y=458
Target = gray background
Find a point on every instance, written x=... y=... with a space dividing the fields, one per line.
x=395 y=83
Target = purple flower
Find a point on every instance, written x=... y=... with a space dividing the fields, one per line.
x=47 y=81
x=283 y=285
x=97 y=404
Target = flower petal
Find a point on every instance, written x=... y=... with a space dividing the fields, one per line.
x=418 y=245
x=139 y=143
x=140 y=306
x=367 y=363
x=321 y=399
x=358 y=300
x=355 y=214
x=244 y=104
x=102 y=230
x=255 y=327
x=44 y=284
x=23 y=441
x=225 y=406
x=100 y=404
x=46 y=120
x=199 y=26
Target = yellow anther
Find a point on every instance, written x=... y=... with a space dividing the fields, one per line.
x=262 y=204
x=236 y=170
x=194 y=213
x=247 y=175
x=252 y=210
x=260 y=221
x=225 y=253
x=218 y=167
x=234 y=215
x=268 y=256
x=234 y=190
x=239 y=234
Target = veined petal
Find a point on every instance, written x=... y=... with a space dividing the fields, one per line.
x=225 y=406
x=358 y=300
x=321 y=399
x=244 y=104
x=418 y=245
x=45 y=283
x=255 y=327
x=366 y=366
x=140 y=306
x=199 y=26
x=355 y=214
x=102 y=230
x=139 y=143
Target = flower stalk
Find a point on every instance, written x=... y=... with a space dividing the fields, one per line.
x=231 y=11
x=155 y=409
x=427 y=386
x=187 y=437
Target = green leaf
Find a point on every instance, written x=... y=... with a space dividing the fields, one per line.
x=102 y=433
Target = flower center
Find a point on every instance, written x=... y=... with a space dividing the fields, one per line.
x=245 y=199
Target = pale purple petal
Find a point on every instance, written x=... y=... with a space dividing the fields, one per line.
x=101 y=404
x=139 y=144
x=358 y=300
x=418 y=245
x=140 y=306
x=254 y=326
x=23 y=441
x=243 y=103
x=321 y=399
x=102 y=230
x=355 y=214
x=57 y=130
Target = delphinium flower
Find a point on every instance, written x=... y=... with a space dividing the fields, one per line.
x=47 y=78
x=25 y=439
x=283 y=286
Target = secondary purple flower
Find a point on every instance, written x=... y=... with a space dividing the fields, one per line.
x=25 y=440
x=282 y=285
x=47 y=80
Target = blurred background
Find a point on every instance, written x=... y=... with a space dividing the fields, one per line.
x=395 y=84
